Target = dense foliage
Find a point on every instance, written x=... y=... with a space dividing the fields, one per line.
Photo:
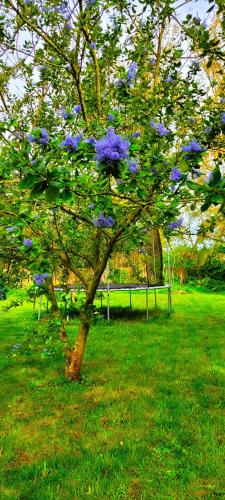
x=108 y=135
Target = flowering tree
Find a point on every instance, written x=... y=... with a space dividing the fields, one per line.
x=107 y=135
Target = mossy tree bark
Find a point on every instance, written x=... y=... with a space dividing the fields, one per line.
x=154 y=258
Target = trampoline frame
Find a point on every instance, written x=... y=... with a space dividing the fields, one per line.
x=125 y=287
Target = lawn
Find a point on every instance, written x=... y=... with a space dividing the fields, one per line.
x=147 y=421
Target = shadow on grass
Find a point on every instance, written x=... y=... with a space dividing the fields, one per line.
x=125 y=313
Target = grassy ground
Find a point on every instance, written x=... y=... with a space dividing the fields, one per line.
x=147 y=422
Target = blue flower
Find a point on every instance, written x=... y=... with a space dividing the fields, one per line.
x=119 y=182
x=191 y=120
x=175 y=225
x=133 y=167
x=223 y=118
x=42 y=139
x=169 y=79
x=91 y=140
x=91 y=206
x=40 y=278
x=136 y=134
x=27 y=242
x=77 y=109
x=93 y=45
x=103 y=221
x=222 y=100
x=70 y=143
x=193 y=147
x=65 y=114
x=132 y=71
x=152 y=61
x=160 y=128
x=111 y=148
x=176 y=174
x=11 y=229
x=111 y=117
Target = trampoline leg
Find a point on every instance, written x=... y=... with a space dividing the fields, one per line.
x=155 y=301
x=169 y=301
x=108 y=304
x=147 y=311
x=130 y=301
x=39 y=308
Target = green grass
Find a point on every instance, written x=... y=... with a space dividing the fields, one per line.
x=147 y=421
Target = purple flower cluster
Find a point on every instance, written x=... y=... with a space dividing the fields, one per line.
x=65 y=114
x=91 y=140
x=176 y=174
x=42 y=139
x=160 y=128
x=136 y=134
x=40 y=278
x=68 y=114
x=63 y=8
x=132 y=71
x=103 y=221
x=77 y=109
x=71 y=142
x=193 y=147
x=111 y=148
x=169 y=79
x=111 y=117
x=223 y=118
x=27 y=242
x=175 y=225
x=93 y=45
x=133 y=167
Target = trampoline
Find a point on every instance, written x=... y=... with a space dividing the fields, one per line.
x=115 y=287
x=131 y=287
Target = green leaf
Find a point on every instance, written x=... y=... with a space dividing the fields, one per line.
x=216 y=176
x=206 y=205
x=217 y=198
x=194 y=186
x=38 y=188
x=66 y=195
x=28 y=181
x=141 y=194
x=51 y=193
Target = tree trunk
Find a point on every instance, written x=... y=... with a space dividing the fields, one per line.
x=56 y=312
x=75 y=356
x=154 y=258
